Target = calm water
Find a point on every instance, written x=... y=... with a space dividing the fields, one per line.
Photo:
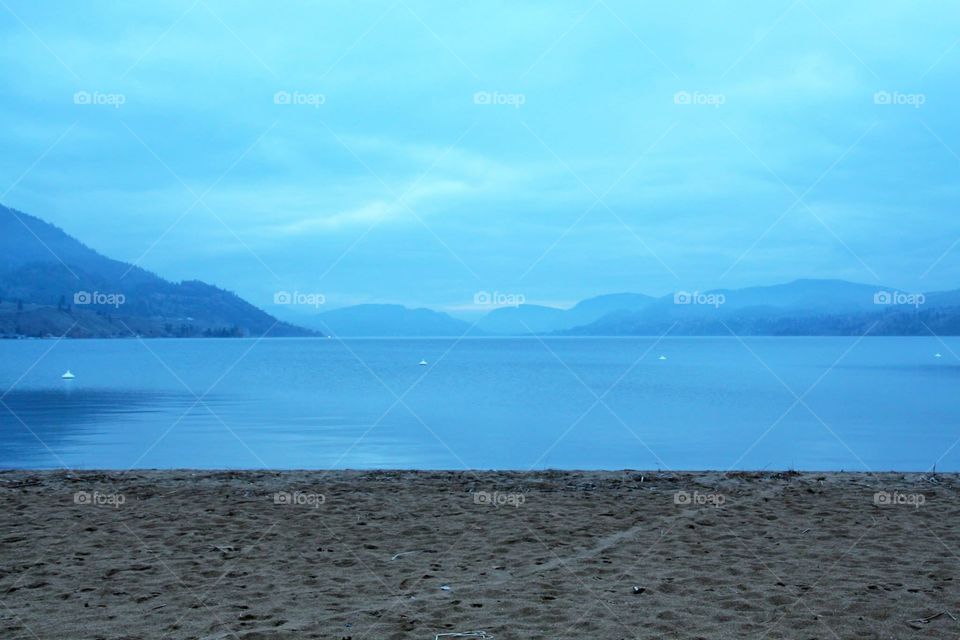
x=714 y=403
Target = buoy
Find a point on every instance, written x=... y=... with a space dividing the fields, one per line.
x=937 y=355
x=68 y=375
x=423 y=363
x=663 y=357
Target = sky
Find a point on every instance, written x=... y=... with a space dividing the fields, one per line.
x=422 y=152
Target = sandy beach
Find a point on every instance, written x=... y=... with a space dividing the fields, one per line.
x=355 y=555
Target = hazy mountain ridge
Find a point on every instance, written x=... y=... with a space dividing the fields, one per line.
x=529 y=318
x=372 y=320
x=802 y=307
x=53 y=284
x=388 y=320
x=943 y=321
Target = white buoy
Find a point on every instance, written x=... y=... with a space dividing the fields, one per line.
x=937 y=355
x=423 y=363
x=663 y=357
x=68 y=375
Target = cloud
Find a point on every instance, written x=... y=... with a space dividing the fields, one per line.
x=498 y=186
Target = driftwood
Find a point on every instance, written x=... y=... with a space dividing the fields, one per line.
x=405 y=553
x=919 y=622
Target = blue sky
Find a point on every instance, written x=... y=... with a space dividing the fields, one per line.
x=419 y=152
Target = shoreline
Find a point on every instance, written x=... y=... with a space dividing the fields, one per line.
x=542 y=554
x=411 y=470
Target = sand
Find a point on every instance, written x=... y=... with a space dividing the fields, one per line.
x=374 y=555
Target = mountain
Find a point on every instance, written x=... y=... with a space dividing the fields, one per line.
x=601 y=305
x=525 y=319
x=802 y=307
x=52 y=284
x=398 y=320
x=941 y=321
x=387 y=320
x=809 y=296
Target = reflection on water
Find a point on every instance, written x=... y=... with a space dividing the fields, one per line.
x=882 y=403
x=95 y=428
x=69 y=417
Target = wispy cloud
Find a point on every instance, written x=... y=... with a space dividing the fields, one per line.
x=437 y=105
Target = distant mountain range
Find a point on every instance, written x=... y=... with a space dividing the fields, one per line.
x=802 y=307
x=386 y=320
x=52 y=284
x=529 y=318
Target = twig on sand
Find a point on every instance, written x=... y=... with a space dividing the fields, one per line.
x=405 y=553
x=26 y=483
x=919 y=622
x=463 y=634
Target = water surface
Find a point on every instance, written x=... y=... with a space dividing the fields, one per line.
x=587 y=403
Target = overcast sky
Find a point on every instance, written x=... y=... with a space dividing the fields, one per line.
x=419 y=152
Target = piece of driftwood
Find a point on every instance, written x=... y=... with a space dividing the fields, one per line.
x=919 y=622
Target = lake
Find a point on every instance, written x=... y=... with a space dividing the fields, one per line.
x=568 y=403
